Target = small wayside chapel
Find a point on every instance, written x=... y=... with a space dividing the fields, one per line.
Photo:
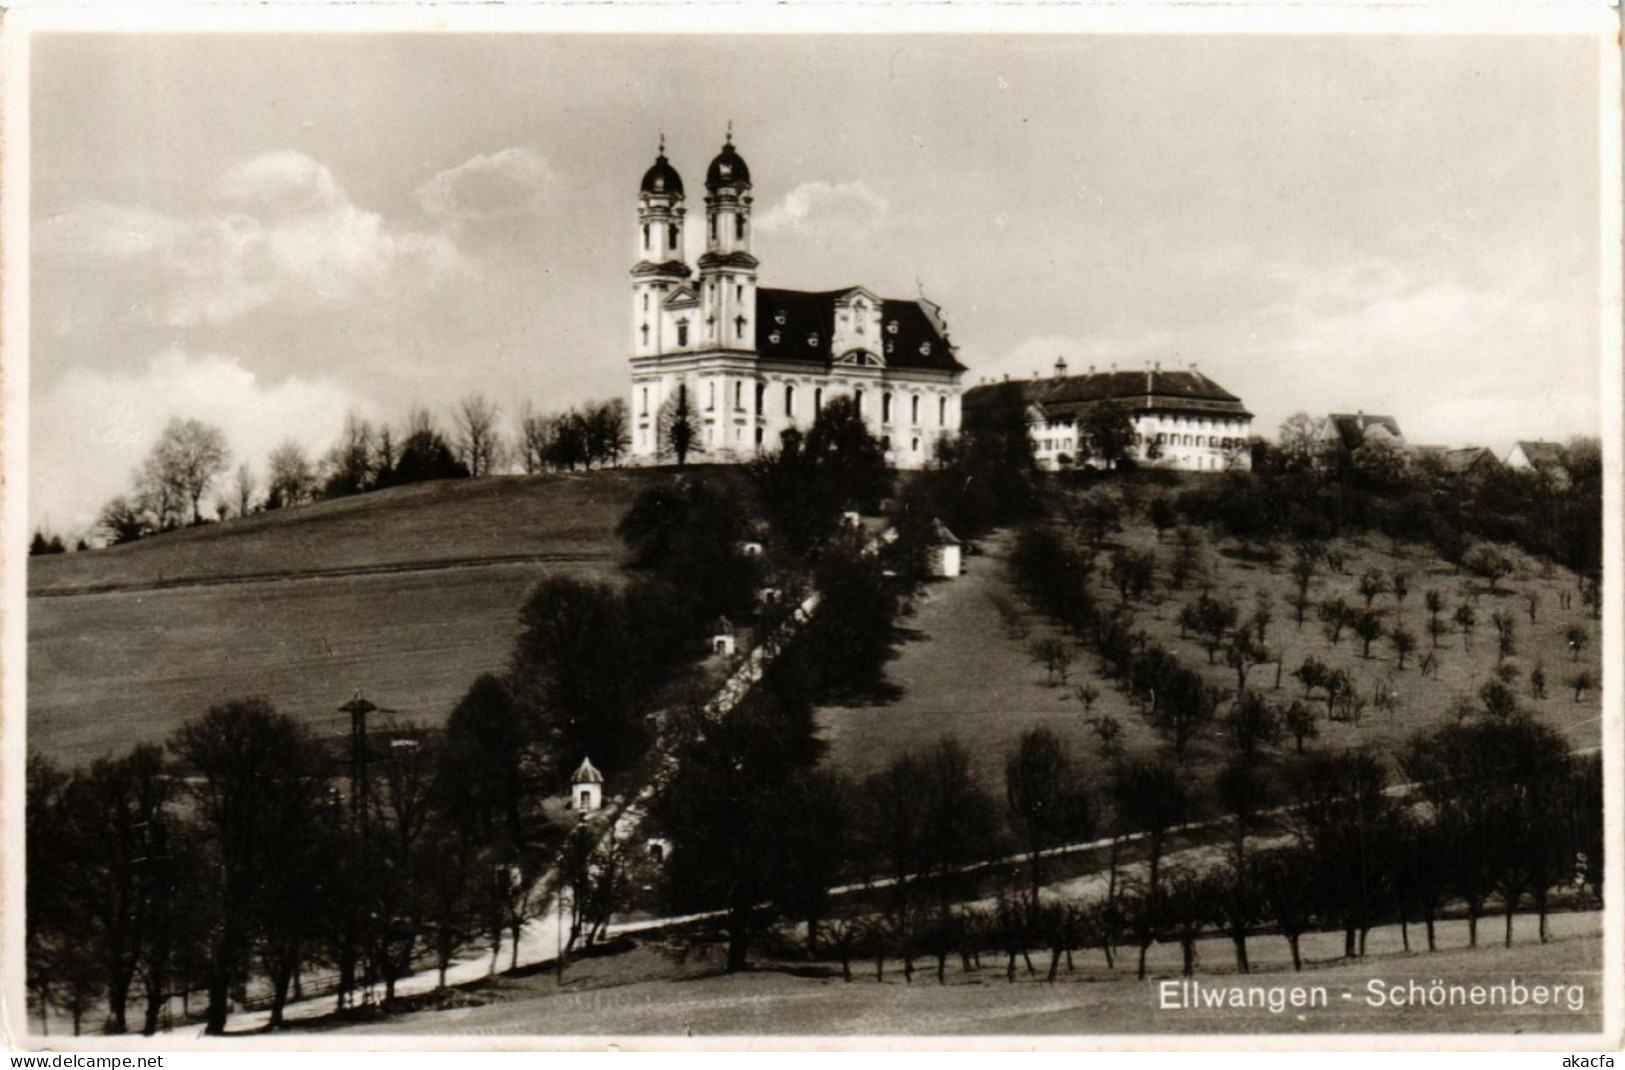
x=747 y=363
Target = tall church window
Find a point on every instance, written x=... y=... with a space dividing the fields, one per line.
x=789 y=399
x=818 y=401
x=710 y=396
x=914 y=410
x=739 y=227
x=645 y=237
x=761 y=398
x=739 y=291
x=671 y=236
x=682 y=332
x=645 y=406
x=885 y=408
x=857 y=400
x=645 y=329
x=942 y=412
x=739 y=396
x=645 y=302
x=713 y=227
x=739 y=326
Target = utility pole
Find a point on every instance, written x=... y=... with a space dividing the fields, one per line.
x=358 y=708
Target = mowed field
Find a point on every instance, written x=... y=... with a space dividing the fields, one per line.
x=650 y=990
x=963 y=673
x=408 y=593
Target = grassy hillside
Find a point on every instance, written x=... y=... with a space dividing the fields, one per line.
x=963 y=672
x=408 y=593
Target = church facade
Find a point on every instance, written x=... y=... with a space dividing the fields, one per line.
x=737 y=364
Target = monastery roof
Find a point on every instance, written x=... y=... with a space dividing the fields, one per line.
x=1149 y=390
x=728 y=169
x=940 y=534
x=807 y=333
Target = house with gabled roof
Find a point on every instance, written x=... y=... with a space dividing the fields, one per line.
x=747 y=363
x=1180 y=418
x=1469 y=462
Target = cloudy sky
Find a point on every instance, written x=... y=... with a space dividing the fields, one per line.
x=267 y=231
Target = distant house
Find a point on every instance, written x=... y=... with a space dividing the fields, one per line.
x=1471 y=462
x=943 y=556
x=587 y=787
x=1537 y=457
x=1350 y=431
x=1180 y=419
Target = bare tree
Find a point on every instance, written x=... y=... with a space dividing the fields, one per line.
x=292 y=478
x=479 y=443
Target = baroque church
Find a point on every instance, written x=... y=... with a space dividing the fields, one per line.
x=747 y=363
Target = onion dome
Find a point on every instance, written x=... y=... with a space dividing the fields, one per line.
x=662 y=178
x=587 y=774
x=728 y=169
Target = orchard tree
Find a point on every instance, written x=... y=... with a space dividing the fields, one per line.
x=478 y=441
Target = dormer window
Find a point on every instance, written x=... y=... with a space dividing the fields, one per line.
x=774 y=337
x=778 y=317
x=890 y=346
x=812 y=339
x=891 y=328
x=925 y=349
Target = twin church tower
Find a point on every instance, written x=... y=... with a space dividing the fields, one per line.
x=747 y=362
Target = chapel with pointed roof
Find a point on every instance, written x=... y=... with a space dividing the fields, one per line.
x=746 y=362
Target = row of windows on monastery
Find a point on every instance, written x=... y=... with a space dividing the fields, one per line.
x=716 y=436
x=888 y=406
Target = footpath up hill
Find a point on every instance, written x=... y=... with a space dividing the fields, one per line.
x=408 y=593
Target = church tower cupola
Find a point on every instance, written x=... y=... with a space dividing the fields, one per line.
x=661 y=269
x=727 y=283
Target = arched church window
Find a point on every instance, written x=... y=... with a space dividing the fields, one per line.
x=739 y=291
x=789 y=399
x=682 y=332
x=885 y=408
x=761 y=398
x=914 y=410
x=818 y=400
x=671 y=236
x=857 y=400
x=739 y=227
x=645 y=237
x=942 y=412
x=713 y=228
x=645 y=411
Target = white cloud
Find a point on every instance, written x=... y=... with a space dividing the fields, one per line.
x=91 y=428
x=825 y=206
x=284 y=232
x=498 y=185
